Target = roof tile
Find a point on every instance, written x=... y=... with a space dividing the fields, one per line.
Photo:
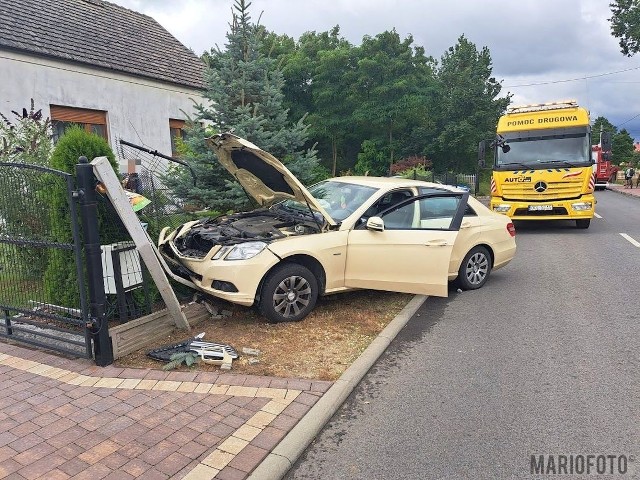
x=100 y=34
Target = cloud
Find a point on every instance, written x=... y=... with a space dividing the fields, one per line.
x=541 y=42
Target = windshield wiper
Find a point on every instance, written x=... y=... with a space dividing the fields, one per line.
x=564 y=162
x=523 y=165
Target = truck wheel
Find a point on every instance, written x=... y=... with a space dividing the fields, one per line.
x=474 y=269
x=289 y=293
x=583 y=223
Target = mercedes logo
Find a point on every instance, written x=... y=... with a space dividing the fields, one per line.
x=540 y=187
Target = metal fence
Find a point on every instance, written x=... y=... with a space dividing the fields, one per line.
x=68 y=266
x=464 y=180
x=38 y=253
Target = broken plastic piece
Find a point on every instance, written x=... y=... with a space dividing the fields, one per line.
x=164 y=353
x=251 y=351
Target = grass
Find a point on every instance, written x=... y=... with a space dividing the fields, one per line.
x=319 y=347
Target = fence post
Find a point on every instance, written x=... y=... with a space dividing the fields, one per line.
x=102 y=348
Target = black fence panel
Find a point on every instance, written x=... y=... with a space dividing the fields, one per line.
x=34 y=243
x=465 y=181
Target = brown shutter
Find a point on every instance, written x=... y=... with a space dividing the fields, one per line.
x=78 y=115
x=173 y=123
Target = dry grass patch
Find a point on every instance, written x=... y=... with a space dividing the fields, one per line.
x=319 y=347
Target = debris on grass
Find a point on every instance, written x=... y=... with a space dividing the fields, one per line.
x=319 y=347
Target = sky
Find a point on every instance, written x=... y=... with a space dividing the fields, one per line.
x=542 y=50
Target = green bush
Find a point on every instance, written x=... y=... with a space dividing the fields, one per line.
x=60 y=279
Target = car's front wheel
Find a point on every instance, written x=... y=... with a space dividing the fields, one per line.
x=474 y=269
x=289 y=293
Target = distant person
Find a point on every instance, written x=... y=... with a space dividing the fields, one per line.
x=628 y=176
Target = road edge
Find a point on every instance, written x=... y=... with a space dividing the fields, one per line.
x=286 y=453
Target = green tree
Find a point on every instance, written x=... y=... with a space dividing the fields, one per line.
x=60 y=277
x=331 y=123
x=622 y=148
x=625 y=25
x=372 y=160
x=601 y=125
x=392 y=78
x=469 y=106
x=244 y=88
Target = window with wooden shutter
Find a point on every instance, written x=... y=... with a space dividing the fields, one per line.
x=93 y=121
x=176 y=130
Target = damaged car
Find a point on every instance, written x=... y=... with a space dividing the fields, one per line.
x=343 y=233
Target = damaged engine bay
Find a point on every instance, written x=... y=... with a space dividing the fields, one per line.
x=259 y=225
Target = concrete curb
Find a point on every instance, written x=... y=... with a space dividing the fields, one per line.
x=285 y=454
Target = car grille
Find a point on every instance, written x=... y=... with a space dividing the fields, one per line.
x=175 y=266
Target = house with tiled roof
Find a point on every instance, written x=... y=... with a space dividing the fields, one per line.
x=117 y=72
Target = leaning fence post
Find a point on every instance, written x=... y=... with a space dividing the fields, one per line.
x=89 y=213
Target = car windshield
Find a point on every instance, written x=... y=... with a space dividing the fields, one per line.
x=339 y=199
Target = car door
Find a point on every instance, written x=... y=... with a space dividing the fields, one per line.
x=412 y=251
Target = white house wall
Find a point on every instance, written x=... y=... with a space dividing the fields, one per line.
x=138 y=110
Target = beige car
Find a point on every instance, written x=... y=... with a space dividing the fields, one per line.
x=343 y=233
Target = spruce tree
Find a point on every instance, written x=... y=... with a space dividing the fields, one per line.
x=244 y=89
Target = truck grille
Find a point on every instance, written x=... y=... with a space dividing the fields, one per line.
x=562 y=190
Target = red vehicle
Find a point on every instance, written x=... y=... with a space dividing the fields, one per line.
x=604 y=171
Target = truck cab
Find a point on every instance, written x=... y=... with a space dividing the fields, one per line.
x=542 y=164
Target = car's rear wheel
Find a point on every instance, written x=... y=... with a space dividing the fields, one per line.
x=474 y=269
x=289 y=293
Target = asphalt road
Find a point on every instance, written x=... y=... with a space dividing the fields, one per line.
x=544 y=360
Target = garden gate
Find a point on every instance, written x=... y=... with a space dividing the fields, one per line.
x=51 y=295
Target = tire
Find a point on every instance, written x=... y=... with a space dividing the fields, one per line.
x=583 y=223
x=474 y=269
x=289 y=293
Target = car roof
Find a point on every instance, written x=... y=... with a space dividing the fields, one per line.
x=390 y=182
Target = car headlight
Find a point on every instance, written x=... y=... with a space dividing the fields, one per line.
x=581 y=206
x=244 y=251
x=503 y=207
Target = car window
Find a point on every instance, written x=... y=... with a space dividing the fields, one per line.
x=470 y=212
x=429 y=213
x=402 y=218
x=438 y=212
x=384 y=203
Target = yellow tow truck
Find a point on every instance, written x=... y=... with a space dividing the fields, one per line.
x=542 y=166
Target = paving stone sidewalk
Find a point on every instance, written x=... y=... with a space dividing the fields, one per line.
x=633 y=192
x=66 y=418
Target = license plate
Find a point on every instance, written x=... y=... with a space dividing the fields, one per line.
x=537 y=208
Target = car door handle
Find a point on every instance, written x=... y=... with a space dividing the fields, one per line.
x=437 y=243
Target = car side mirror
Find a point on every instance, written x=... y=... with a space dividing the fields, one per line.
x=376 y=224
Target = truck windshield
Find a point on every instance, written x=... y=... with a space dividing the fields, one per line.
x=540 y=150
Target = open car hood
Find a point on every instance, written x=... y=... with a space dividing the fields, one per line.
x=262 y=175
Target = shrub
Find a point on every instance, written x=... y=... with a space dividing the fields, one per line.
x=60 y=279
x=25 y=138
x=409 y=163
